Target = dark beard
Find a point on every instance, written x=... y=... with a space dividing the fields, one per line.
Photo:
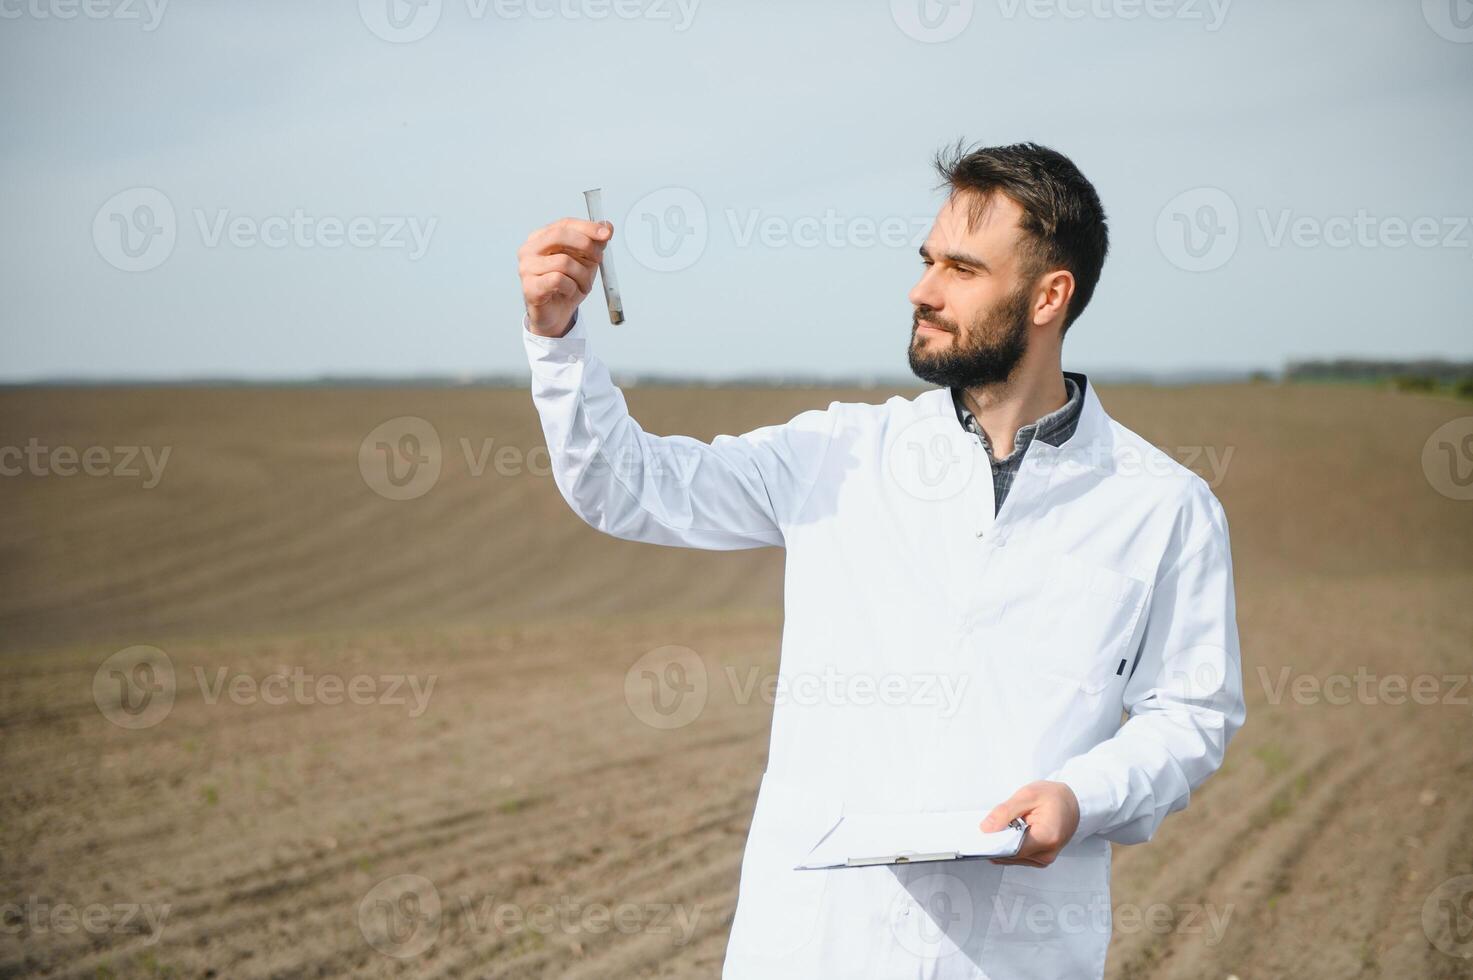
x=986 y=353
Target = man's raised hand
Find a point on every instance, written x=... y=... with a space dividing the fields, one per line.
x=557 y=264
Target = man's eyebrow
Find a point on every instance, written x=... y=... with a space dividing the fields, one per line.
x=958 y=258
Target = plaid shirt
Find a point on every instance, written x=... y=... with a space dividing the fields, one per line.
x=1054 y=428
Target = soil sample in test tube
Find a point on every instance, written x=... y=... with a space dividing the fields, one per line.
x=595 y=199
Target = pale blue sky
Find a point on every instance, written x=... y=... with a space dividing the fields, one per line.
x=1326 y=145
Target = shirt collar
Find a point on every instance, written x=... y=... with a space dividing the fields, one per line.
x=1055 y=428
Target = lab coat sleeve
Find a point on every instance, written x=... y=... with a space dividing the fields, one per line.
x=733 y=492
x=1184 y=699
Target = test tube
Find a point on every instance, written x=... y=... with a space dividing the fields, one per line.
x=595 y=199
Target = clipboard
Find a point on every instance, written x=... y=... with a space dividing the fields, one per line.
x=861 y=840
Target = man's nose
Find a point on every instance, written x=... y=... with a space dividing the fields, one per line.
x=925 y=293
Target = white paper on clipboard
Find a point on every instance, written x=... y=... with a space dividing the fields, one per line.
x=866 y=839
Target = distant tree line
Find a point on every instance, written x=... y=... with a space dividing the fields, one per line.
x=1423 y=375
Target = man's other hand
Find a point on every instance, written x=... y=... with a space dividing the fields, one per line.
x=1051 y=811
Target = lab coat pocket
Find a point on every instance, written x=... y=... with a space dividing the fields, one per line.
x=778 y=906
x=1086 y=621
x=1050 y=922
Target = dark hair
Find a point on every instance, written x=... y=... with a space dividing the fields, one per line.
x=1063 y=221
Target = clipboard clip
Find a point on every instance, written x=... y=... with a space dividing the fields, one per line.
x=903 y=858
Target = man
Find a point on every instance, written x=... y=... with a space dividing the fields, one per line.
x=998 y=539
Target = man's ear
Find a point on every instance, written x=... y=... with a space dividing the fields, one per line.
x=1055 y=290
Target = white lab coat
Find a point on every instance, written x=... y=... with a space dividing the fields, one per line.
x=936 y=658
